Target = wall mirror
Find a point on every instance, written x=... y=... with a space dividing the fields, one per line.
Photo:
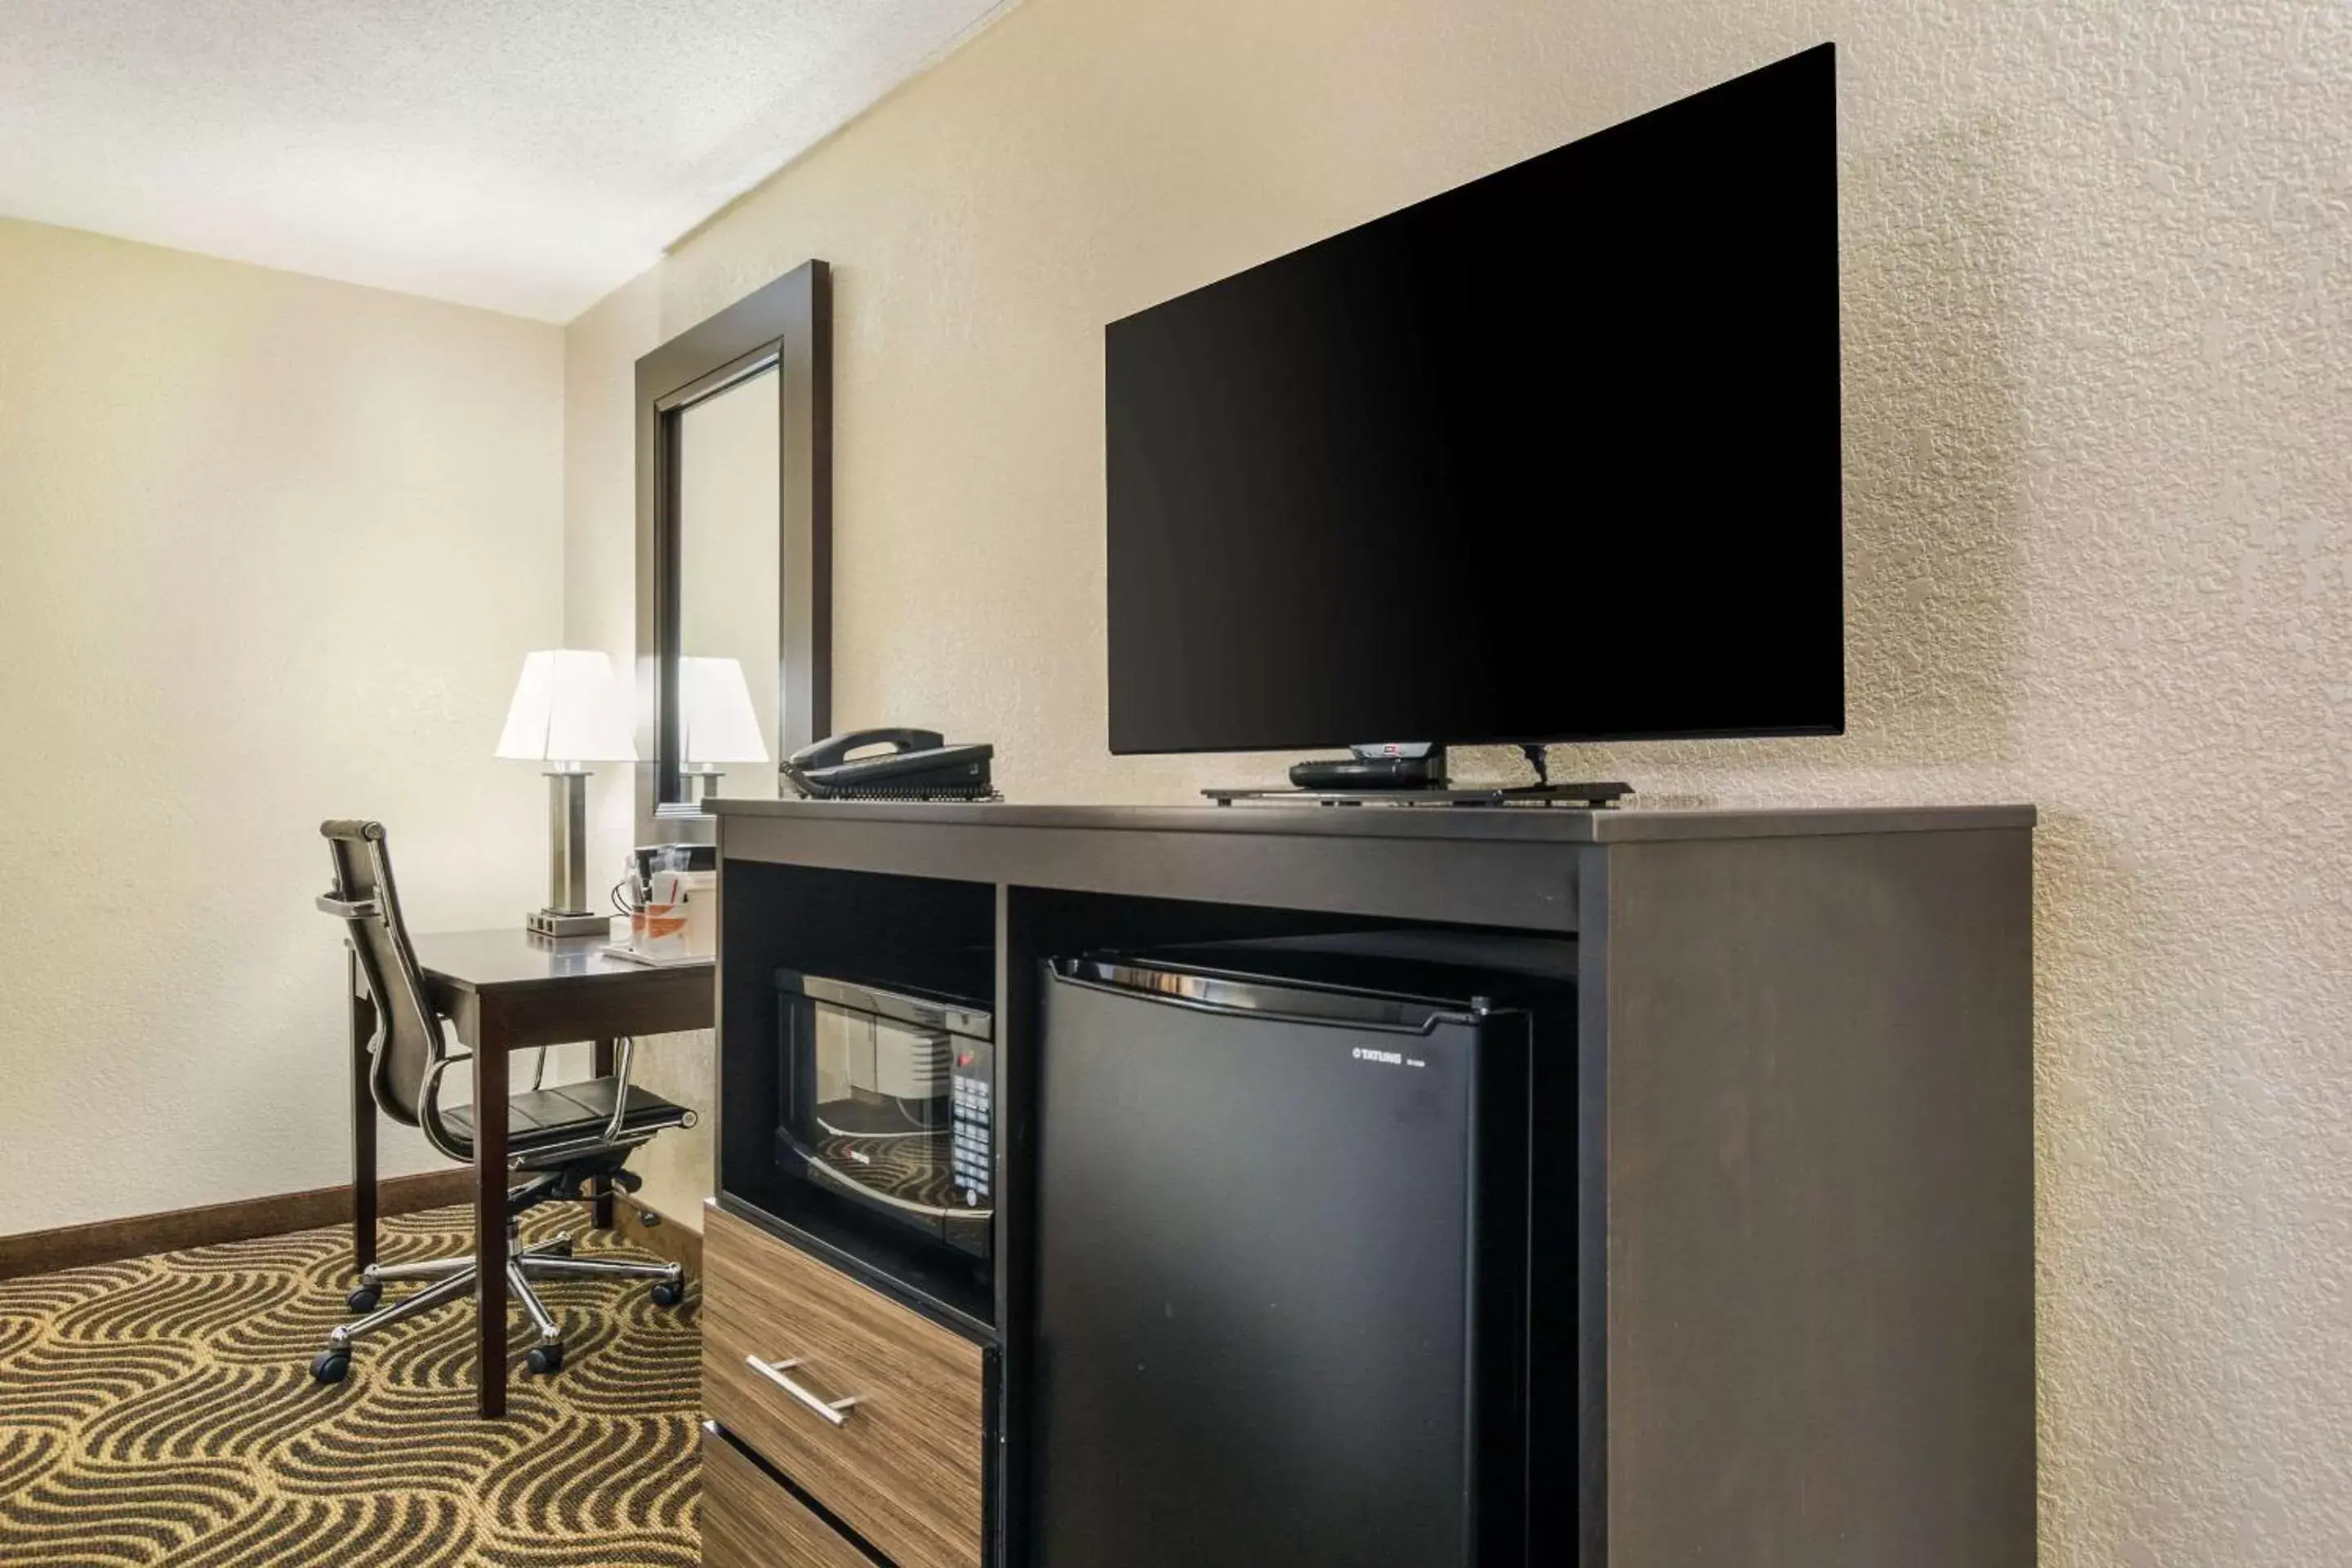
x=734 y=552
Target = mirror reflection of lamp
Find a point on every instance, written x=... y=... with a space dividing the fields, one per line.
x=568 y=710
x=716 y=724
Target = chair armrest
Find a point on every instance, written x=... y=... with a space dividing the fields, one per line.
x=431 y=1088
x=621 y=1088
x=344 y=908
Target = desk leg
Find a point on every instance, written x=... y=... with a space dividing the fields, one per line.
x=490 y=1227
x=362 y=1025
x=603 y=1207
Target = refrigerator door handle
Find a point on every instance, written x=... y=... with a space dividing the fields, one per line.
x=1242 y=998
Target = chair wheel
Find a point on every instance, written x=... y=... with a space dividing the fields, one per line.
x=545 y=1358
x=330 y=1366
x=669 y=1293
x=363 y=1299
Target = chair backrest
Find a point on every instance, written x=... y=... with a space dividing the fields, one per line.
x=409 y=1045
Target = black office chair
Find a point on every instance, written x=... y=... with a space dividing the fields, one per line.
x=565 y=1139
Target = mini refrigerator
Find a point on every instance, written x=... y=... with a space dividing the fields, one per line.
x=1304 y=1257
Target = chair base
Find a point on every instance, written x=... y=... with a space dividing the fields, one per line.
x=452 y=1279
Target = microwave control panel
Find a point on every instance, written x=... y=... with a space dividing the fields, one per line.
x=972 y=1082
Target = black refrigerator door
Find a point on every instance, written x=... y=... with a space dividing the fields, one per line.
x=1252 y=1246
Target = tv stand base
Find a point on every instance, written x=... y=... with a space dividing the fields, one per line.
x=1600 y=795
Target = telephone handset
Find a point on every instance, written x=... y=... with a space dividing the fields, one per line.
x=835 y=749
x=915 y=764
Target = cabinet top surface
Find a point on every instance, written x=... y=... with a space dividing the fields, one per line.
x=1553 y=825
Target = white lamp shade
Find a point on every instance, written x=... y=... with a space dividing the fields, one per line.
x=568 y=708
x=715 y=712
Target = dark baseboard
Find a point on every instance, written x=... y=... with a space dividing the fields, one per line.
x=669 y=1241
x=109 y=1240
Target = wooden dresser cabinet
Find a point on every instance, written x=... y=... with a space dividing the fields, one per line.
x=871 y=1413
x=1776 y=1260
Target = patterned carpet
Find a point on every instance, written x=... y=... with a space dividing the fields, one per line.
x=161 y=1411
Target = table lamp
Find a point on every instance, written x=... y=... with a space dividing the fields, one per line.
x=720 y=724
x=567 y=710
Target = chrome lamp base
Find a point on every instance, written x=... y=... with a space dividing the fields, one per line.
x=554 y=922
x=567 y=912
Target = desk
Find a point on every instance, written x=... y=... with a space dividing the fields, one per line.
x=507 y=991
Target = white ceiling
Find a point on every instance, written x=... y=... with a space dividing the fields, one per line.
x=525 y=156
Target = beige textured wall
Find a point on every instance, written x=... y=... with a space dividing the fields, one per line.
x=271 y=551
x=2099 y=452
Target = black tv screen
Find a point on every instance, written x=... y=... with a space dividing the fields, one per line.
x=1554 y=456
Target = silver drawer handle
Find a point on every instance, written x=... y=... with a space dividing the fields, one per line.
x=836 y=1413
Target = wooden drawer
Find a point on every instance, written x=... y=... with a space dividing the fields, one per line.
x=750 y=1522
x=901 y=1464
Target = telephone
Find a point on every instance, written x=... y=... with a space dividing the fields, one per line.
x=919 y=764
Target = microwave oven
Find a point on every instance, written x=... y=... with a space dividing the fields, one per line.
x=887 y=1117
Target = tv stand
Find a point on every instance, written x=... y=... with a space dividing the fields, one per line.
x=1602 y=795
x=1412 y=773
x=1791 y=1314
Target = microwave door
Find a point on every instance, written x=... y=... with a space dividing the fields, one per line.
x=829 y=1060
x=832 y=1053
x=875 y=1078
x=910 y=1069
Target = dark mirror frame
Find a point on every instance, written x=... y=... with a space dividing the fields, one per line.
x=787 y=325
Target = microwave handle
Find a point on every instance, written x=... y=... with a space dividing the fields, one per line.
x=798 y=1025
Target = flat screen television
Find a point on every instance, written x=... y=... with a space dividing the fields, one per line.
x=1551 y=457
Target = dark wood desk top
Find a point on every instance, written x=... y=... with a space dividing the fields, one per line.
x=513 y=961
